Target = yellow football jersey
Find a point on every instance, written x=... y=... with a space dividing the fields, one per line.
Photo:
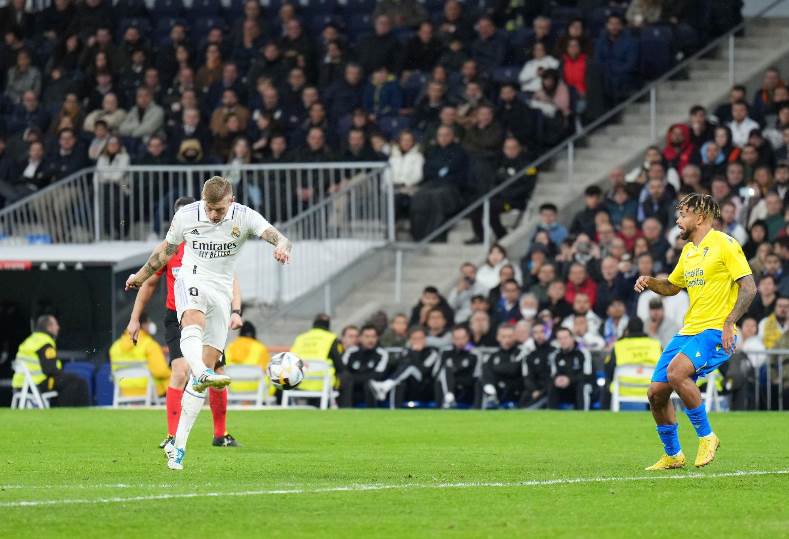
x=709 y=272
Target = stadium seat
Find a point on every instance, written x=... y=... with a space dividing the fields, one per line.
x=103 y=384
x=392 y=125
x=319 y=22
x=167 y=8
x=520 y=38
x=247 y=373
x=630 y=376
x=506 y=74
x=561 y=15
x=314 y=370
x=29 y=396
x=359 y=6
x=133 y=369
x=204 y=8
x=358 y=24
x=656 y=52
x=142 y=24
x=86 y=371
x=319 y=7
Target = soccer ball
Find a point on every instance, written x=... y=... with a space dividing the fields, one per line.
x=286 y=370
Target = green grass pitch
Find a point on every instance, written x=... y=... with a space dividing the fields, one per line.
x=370 y=473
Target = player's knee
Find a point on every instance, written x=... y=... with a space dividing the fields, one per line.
x=674 y=375
x=655 y=395
x=179 y=374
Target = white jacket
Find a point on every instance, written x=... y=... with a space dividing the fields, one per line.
x=107 y=172
x=406 y=169
x=530 y=74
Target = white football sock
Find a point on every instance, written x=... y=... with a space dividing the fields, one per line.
x=191 y=404
x=192 y=348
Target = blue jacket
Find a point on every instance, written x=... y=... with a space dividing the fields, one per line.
x=385 y=100
x=618 y=59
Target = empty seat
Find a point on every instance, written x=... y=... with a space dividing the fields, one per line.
x=656 y=52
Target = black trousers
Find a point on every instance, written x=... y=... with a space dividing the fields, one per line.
x=574 y=394
x=496 y=209
x=72 y=390
x=355 y=388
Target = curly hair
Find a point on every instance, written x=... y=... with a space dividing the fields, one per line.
x=702 y=204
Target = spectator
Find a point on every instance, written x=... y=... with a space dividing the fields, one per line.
x=482 y=140
x=429 y=299
x=579 y=282
x=454 y=24
x=701 y=130
x=642 y=13
x=776 y=324
x=459 y=298
x=617 y=53
x=445 y=175
x=189 y=127
x=379 y=49
x=658 y=245
x=155 y=153
x=585 y=338
x=764 y=98
x=659 y=205
x=29 y=113
x=516 y=118
x=68 y=158
x=503 y=372
x=482 y=334
x=345 y=95
x=657 y=325
x=406 y=164
x=144 y=119
x=230 y=106
x=558 y=306
x=615 y=322
x=110 y=113
x=730 y=224
x=679 y=147
x=416 y=371
x=489 y=49
x=582 y=307
x=382 y=95
x=126 y=351
x=101 y=136
x=488 y=273
x=553 y=100
x=23 y=77
x=611 y=287
x=530 y=76
x=537 y=370
x=548 y=222
x=422 y=51
x=584 y=220
x=458 y=380
x=764 y=303
x=30 y=176
x=570 y=368
x=396 y=334
x=69 y=116
x=360 y=365
x=507 y=309
x=574 y=66
x=438 y=328
x=39 y=353
x=741 y=124
x=296 y=46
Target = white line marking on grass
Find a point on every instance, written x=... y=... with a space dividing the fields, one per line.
x=402 y=486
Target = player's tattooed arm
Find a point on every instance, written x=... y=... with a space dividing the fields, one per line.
x=282 y=245
x=158 y=259
x=660 y=286
x=745 y=296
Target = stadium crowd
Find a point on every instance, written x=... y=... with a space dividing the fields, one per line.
x=456 y=95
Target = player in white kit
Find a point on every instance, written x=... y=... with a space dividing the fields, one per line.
x=213 y=229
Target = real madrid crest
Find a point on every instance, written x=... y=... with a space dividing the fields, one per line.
x=236 y=232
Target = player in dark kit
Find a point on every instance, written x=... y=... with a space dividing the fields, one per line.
x=180 y=369
x=458 y=381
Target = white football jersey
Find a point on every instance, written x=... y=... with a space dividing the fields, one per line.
x=210 y=250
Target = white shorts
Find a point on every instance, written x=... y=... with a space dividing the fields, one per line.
x=211 y=300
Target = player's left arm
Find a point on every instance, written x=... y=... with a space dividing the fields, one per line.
x=235 y=304
x=282 y=245
x=738 y=268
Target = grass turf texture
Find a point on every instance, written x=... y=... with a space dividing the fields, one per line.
x=93 y=454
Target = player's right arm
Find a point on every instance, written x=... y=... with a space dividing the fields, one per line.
x=144 y=295
x=159 y=258
x=664 y=287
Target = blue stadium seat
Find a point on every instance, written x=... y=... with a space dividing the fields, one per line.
x=358 y=25
x=656 y=54
x=520 y=38
x=167 y=8
x=561 y=15
x=271 y=6
x=506 y=74
x=319 y=7
x=319 y=22
x=130 y=8
x=203 y=26
x=392 y=125
x=84 y=370
x=359 y=6
x=103 y=385
x=204 y=8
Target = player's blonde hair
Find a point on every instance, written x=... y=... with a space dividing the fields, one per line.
x=215 y=189
x=701 y=204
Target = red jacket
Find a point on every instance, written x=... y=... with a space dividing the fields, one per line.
x=588 y=287
x=678 y=157
x=574 y=72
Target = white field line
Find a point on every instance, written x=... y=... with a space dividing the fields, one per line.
x=403 y=486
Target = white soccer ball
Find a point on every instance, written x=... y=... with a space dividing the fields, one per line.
x=286 y=370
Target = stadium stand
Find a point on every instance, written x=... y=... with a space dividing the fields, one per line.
x=457 y=97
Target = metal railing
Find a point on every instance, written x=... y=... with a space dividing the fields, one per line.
x=135 y=203
x=768 y=364
x=328 y=237
x=568 y=146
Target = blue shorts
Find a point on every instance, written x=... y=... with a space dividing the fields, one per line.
x=705 y=351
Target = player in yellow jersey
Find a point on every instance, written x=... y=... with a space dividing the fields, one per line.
x=714 y=271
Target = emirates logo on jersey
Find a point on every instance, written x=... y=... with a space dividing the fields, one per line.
x=236 y=232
